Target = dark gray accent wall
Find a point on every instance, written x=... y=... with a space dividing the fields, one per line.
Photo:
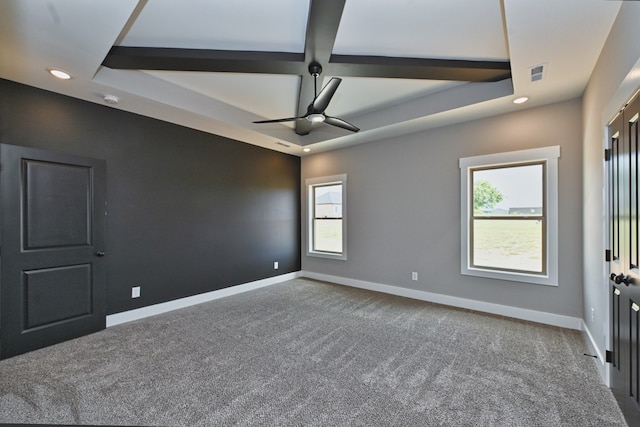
x=188 y=212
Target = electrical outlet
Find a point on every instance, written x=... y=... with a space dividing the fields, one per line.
x=135 y=292
x=414 y=275
x=593 y=314
x=275 y=265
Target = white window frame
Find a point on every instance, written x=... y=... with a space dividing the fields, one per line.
x=323 y=181
x=550 y=156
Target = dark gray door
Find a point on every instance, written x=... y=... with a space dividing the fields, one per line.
x=624 y=231
x=52 y=264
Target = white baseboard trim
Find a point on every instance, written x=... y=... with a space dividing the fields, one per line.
x=486 y=307
x=593 y=344
x=602 y=365
x=152 y=310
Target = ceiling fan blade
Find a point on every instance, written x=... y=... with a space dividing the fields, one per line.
x=334 y=121
x=288 y=119
x=324 y=97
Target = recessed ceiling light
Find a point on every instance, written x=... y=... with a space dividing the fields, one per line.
x=111 y=99
x=306 y=150
x=62 y=75
x=520 y=100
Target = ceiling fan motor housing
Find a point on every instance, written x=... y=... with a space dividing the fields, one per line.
x=315 y=69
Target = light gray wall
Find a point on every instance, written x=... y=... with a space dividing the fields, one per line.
x=404 y=207
x=615 y=78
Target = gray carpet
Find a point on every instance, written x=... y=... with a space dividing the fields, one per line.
x=306 y=353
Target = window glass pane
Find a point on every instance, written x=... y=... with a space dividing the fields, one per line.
x=327 y=223
x=508 y=244
x=328 y=201
x=327 y=235
x=514 y=190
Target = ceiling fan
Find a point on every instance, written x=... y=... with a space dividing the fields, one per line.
x=316 y=110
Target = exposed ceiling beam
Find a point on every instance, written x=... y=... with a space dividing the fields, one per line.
x=322 y=28
x=228 y=61
x=209 y=60
x=419 y=68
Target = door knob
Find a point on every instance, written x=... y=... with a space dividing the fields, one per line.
x=100 y=253
x=621 y=278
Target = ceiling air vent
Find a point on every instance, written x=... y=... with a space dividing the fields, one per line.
x=283 y=144
x=537 y=72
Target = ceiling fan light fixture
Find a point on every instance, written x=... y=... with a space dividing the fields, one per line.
x=315 y=117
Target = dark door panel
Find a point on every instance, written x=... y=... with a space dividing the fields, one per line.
x=52 y=276
x=57 y=199
x=624 y=243
x=44 y=285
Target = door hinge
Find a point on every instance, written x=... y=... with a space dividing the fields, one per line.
x=608 y=356
x=607 y=255
x=607 y=154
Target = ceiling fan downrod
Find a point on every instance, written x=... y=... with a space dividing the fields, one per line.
x=315 y=69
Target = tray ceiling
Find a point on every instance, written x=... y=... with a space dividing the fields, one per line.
x=77 y=36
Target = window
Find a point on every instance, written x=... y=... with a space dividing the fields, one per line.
x=327 y=216
x=509 y=215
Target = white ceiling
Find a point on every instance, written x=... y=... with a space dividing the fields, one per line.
x=76 y=35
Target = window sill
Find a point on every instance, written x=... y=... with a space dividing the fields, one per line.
x=511 y=276
x=327 y=255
